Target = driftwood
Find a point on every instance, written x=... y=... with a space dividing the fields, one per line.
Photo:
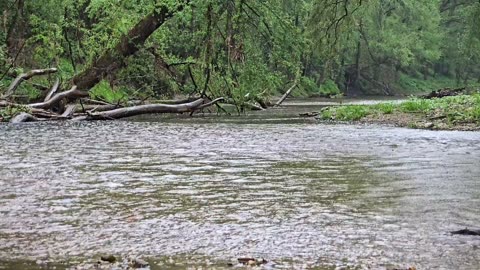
x=69 y=111
x=73 y=93
x=289 y=91
x=26 y=76
x=445 y=92
x=213 y=102
x=23 y=117
x=53 y=91
x=147 y=109
x=95 y=108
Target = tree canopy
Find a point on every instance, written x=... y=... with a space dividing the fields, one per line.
x=246 y=50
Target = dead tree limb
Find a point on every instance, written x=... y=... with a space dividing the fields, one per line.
x=26 y=76
x=73 y=93
x=53 y=91
x=213 y=102
x=95 y=108
x=289 y=91
x=69 y=111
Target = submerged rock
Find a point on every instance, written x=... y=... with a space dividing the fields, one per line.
x=252 y=261
x=429 y=125
x=108 y=258
x=139 y=263
x=467 y=232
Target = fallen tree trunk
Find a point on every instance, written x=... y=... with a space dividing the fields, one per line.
x=144 y=109
x=95 y=108
x=289 y=91
x=23 y=117
x=446 y=92
x=26 y=76
x=128 y=44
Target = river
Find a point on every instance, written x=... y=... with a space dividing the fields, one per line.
x=204 y=191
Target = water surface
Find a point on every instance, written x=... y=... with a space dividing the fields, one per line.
x=205 y=191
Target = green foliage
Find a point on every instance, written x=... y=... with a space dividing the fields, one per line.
x=416 y=105
x=346 y=113
x=103 y=91
x=385 y=108
x=250 y=50
x=456 y=109
x=329 y=89
x=9 y=112
x=410 y=84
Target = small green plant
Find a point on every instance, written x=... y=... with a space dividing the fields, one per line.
x=385 y=108
x=327 y=114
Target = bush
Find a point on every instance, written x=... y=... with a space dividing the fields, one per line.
x=329 y=88
x=104 y=92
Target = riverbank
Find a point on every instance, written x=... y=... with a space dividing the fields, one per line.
x=448 y=113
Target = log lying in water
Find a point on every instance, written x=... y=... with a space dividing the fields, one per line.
x=144 y=109
x=467 y=232
x=289 y=91
x=445 y=92
x=119 y=113
x=23 y=117
x=42 y=111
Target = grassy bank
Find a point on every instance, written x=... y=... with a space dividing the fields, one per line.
x=449 y=113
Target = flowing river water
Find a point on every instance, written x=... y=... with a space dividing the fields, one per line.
x=200 y=192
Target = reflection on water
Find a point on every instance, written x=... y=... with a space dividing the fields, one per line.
x=298 y=194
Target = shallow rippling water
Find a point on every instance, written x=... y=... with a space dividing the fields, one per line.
x=298 y=193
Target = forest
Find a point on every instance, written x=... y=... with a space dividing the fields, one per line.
x=242 y=52
x=239 y=134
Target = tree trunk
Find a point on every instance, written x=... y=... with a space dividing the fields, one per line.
x=282 y=99
x=145 y=109
x=129 y=44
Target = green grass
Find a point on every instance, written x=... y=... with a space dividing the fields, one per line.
x=385 y=108
x=457 y=109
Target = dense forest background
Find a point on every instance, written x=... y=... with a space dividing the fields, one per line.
x=246 y=49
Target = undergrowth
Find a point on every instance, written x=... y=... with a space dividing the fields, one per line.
x=456 y=109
